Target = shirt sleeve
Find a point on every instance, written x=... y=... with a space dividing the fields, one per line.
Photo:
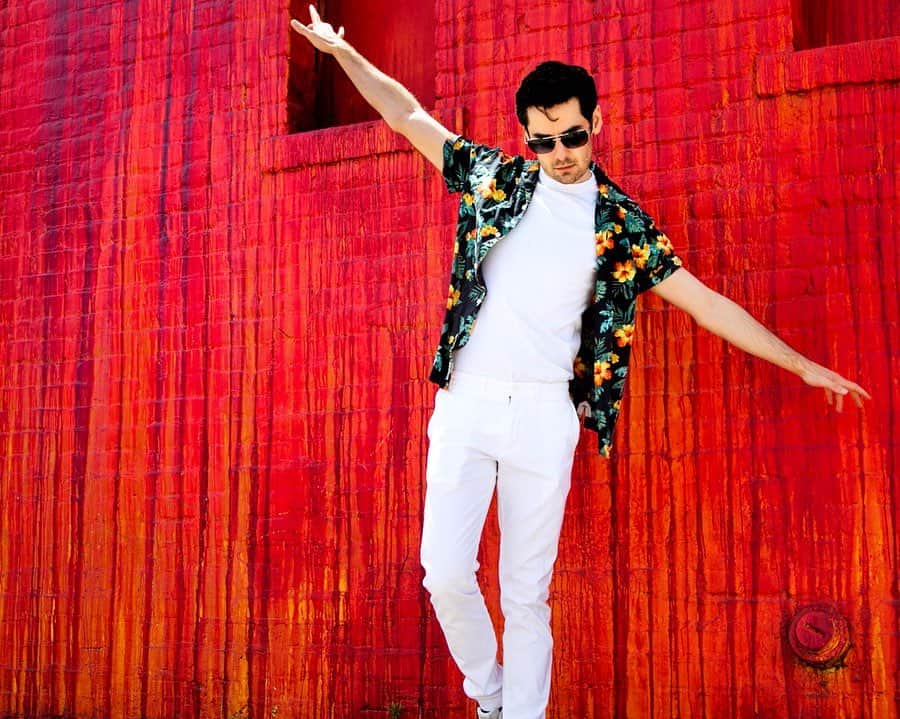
x=652 y=254
x=460 y=156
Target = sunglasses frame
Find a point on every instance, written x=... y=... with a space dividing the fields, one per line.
x=537 y=146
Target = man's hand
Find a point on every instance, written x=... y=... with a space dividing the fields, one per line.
x=835 y=386
x=320 y=34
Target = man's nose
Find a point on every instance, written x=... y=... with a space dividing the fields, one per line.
x=559 y=151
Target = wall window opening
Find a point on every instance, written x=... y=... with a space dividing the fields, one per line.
x=818 y=23
x=397 y=37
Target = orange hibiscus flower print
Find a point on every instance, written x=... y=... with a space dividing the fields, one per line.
x=579 y=367
x=624 y=271
x=602 y=373
x=489 y=190
x=452 y=297
x=665 y=244
x=624 y=335
x=604 y=241
x=640 y=253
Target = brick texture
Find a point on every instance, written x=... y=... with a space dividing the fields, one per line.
x=215 y=337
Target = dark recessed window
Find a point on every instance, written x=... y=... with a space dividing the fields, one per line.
x=397 y=37
x=818 y=23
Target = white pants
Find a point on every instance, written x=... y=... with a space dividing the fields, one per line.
x=520 y=437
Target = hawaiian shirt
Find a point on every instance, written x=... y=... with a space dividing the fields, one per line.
x=632 y=256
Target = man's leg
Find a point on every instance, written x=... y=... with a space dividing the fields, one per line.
x=533 y=483
x=460 y=481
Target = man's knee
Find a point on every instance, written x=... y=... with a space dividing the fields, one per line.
x=447 y=580
x=525 y=602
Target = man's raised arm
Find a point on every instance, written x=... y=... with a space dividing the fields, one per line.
x=394 y=103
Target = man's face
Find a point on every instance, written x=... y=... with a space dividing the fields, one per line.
x=563 y=164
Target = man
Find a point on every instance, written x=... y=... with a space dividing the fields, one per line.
x=550 y=256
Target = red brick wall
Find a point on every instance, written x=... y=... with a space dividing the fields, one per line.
x=215 y=342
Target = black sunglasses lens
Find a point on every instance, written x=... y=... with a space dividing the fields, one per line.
x=576 y=138
x=540 y=145
x=543 y=145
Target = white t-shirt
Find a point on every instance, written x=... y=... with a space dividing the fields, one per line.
x=540 y=279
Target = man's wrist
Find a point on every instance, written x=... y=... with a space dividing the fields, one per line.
x=797 y=363
x=344 y=52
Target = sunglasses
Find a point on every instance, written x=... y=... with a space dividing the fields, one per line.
x=570 y=139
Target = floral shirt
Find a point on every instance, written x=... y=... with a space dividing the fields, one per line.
x=632 y=256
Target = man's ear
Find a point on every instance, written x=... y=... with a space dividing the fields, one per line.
x=596 y=120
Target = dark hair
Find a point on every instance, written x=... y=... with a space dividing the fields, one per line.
x=553 y=83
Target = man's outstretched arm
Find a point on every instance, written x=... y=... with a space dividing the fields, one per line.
x=733 y=323
x=394 y=103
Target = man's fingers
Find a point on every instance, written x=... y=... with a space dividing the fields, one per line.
x=845 y=386
x=836 y=387
x=314 y=16
x=838 y=391
x=341 y=31
x=298 y=26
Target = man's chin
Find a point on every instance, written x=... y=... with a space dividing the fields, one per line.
x=567 y=175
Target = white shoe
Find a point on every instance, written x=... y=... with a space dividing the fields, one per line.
x=494 y=714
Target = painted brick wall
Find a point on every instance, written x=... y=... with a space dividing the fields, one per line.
x=215 y=343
